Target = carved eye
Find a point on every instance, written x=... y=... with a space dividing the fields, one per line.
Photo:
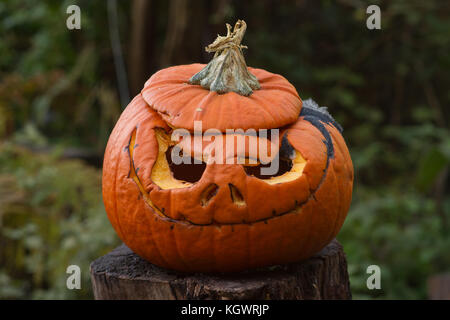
x=285 y=165
x=290 y=166
x=188 y=170
x=168 y=174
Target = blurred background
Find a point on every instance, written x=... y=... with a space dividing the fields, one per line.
x=61 y=92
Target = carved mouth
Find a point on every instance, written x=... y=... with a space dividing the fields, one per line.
x=296 y=209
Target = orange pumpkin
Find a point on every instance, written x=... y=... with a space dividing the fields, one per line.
x=225 y=217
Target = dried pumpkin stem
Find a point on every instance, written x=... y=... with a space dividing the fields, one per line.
x=227 y=71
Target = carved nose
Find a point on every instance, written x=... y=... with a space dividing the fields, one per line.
x=236 y=196
x=208 y=194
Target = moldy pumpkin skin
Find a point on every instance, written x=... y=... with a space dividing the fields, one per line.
x=279 y=223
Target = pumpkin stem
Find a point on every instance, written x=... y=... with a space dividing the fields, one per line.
x=227 y=71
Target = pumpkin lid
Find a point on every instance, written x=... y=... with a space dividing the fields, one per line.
x=225 y=93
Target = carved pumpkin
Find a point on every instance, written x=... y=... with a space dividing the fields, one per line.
x=225 y=217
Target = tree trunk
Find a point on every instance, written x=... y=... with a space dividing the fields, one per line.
x=439 y=287
x=140 y=45
x=121 y=274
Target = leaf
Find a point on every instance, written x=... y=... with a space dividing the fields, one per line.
x=430 y=166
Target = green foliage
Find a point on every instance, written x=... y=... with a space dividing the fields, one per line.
x=51 y=216
x=53 y=78
x=388 y=88
x=54 y=94
x=400 y=231
x=434 y=162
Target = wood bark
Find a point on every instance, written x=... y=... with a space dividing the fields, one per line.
x=121 y=274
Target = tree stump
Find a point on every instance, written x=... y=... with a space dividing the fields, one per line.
x=121 y=274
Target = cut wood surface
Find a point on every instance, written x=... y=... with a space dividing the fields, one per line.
x=121 y=274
